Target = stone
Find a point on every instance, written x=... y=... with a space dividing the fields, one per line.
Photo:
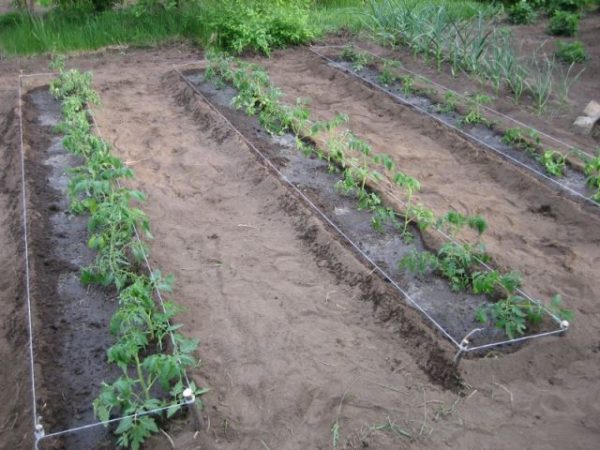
x=584 y=124
x=592 y=110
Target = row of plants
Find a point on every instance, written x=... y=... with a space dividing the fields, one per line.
x=476 y=46
x=529 y=140
x=149 y=350
x=361 y=170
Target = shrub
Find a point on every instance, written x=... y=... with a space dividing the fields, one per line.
x=258 y=25
x=566 y=5
x=570 y=52
x=81 y=6
x=521 y=13
x=563 y=23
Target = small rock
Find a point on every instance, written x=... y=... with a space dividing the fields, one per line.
x=592 y=110
x=584 y=124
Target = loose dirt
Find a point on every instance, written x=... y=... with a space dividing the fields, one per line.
x=296 y=334
x=276 y=301
x=551 y=240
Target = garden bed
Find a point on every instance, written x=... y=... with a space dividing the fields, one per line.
x=526 y=217
x=453 y=312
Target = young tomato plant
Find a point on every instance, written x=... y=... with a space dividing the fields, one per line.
x=592 y=173
x=387 y=77
x=449 y=104
x=554 y=162
x=475 y=115
x=408 y=84
x=359 y=59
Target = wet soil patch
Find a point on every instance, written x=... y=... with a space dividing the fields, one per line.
x=71 y=335
x=455 y=312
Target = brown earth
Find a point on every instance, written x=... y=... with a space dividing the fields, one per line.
x=287 y=345
x=274 y=299
x=552 y=240
x=15 y=392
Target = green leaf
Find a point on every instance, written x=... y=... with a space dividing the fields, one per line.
x=124 y=425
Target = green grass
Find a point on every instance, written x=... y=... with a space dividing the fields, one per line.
x=329 y=16
x=56 y=33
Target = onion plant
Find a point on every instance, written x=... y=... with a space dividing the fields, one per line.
x=469 y=42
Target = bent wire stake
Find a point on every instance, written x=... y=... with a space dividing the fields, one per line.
x=458 y=94
x=461 y=346
x=458 y=130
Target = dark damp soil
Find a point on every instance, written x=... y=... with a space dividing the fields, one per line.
x=455 y=312
x=488 y=137
x=72 y=337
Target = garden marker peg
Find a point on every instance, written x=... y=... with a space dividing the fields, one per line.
x=39 y=431
x=188 y=395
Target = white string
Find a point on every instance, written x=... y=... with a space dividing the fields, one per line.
x=483 y=263
x=492 y=110
x=458 y=130
x=106 y=422
x=28 y=284
x=512 y=341
x=47 y=74
x=315 y=207
x=27 y=275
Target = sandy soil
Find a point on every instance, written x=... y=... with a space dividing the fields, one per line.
x=290 y=341
x=284 y=333
x=556 y=249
